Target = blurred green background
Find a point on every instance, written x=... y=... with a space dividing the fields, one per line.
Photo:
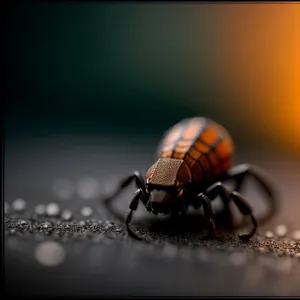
x=132 y=70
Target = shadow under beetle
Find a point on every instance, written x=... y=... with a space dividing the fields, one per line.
x=194 y=158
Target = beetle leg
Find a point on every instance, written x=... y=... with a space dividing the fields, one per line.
x=219 y=189
x=139 y=180
x=133 y=205
x=240 y=172
x=148 y=206
x=208 y=212
x=194 y=202
x=246 y=210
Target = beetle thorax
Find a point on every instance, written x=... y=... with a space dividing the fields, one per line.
x=168 y=172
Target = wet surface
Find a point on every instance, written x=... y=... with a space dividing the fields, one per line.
x=59 y=241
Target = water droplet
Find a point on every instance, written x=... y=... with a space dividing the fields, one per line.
x=296 y=235
x=63 y=188
x=47 y=225
x=261 y=250
x=170 y=250
x=203 y=255
x=88 y=188
x=40 y=209
x=81 y=223
x=50 y=254
x=52 y=210
x=86 y=211
x=108 y=224
x=66 y=215
x=238 y=258
x=19 y=204
x=281 y=230
x=269 y=234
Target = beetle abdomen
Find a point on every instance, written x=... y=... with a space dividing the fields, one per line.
x=204 y=145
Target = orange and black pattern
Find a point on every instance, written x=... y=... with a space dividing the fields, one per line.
x=205 y=146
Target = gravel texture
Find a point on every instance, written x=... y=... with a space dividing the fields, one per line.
x=60 y=242
x=172 y=259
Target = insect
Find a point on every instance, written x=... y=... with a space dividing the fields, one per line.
x=193 y=160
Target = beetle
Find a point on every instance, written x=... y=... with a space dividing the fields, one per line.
x=193 y=160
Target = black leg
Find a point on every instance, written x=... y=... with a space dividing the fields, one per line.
x=219 y=189
x=133 y=205
x=246 y=210
x=139 y=180
x=240 y=172
x=204 y=201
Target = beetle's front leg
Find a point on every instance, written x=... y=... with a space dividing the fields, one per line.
x=133 y=205
x=205 y=202
x=140 y=183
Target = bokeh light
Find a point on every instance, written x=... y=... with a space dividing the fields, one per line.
x=260 y=68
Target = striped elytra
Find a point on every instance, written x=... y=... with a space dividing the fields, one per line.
x=205 y=146
x=194 y=158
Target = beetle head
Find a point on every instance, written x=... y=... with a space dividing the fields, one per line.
x=165 y=181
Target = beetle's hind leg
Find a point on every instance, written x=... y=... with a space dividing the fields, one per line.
x=240 y=172
x=108 y=199
x=246 y=210
x=219 y=189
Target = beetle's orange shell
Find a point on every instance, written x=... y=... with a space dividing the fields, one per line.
x=204 y=145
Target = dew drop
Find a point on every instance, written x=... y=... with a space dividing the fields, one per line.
x=238 y=258
x=40 y=209
x=66 y=215
x=50 y=254
x=296 y=235
x=86 y=211
x=19 y=204
x=269 y=234
x=52 y=210
x=281 y=230
x=170 y=250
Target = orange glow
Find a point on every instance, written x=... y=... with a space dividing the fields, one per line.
x=260 y=67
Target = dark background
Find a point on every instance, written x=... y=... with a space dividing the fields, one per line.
x=92 y=87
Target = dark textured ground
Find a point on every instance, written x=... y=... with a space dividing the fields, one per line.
x=92 y=255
